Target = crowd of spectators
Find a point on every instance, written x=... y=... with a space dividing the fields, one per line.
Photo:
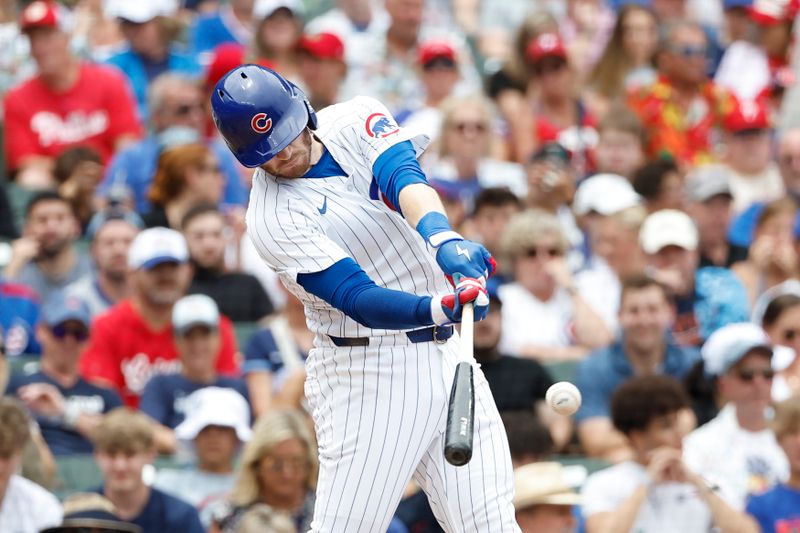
x=628 y=162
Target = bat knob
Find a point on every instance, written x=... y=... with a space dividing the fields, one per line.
x=457 y=456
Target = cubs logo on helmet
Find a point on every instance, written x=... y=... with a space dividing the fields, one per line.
x=380 y=126
x=261 y=123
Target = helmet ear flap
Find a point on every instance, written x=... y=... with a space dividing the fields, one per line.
x=312 y=115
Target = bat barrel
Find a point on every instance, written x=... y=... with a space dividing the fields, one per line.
x=460 y=417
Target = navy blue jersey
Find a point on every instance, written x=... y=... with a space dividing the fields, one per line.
x=90 y=399
x=167 y=514
x=164 y=396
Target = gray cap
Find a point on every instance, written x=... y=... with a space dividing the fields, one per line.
x=706 y=182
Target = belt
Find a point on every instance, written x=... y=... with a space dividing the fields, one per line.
x=433 y=333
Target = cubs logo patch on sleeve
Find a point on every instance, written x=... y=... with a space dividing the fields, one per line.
x=379 y=126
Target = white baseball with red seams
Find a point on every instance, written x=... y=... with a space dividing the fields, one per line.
x=564 y=398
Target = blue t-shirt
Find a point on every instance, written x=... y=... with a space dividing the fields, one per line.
x=208 y=32
x=604 y=370
x=741 y=229
x=164 y=396
x=19 y=312
x=719 y=299
x=140 y=74
x=167 y=514
x=262 y=354
x=135 y=167
x=777 y=510
x=90 y=399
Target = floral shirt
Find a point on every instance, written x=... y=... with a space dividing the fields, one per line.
x=687 y=137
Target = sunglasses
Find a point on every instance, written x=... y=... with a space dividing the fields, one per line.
x=689 y=51
x=61 y=332
x=533 y=253
x=280 y=465
x=185 y=110
x=462 y=127
x=749 y=374
x=790 y=334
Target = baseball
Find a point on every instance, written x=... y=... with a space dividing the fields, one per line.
x=564 y=398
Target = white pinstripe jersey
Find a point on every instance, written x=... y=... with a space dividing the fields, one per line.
x=306 y=225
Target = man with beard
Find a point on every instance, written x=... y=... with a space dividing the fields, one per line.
x=45 y=258
x=134 y=339
x=111 y=233
x=239 y=296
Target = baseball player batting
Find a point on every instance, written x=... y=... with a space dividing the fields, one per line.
x=341 y=210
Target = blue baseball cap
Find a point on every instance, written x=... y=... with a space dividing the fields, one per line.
x=733 y=4
x=59 y=308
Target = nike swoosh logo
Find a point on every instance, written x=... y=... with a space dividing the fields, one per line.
x=324 y=207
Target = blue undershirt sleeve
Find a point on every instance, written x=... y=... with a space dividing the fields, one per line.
x=395 y=168
x=347 y=287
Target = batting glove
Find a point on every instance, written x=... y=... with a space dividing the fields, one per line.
x=460 y=258
x=446 y=309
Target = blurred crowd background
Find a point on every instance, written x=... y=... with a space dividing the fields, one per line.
x=633 y=166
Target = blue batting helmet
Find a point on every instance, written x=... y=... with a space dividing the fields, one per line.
x=259 y=113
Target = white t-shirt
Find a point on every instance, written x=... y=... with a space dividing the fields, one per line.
x=601 y=289
x=668 y=508
x=738 y=461
x=529 y=321
x=28 y=508
x=748 y=189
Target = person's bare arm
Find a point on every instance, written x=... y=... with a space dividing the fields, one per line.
x=291 y=394
x=560 y=427
x=166 y=442
x=259 y=388
x=599 y=439
x=620 y=520
x=417 y=200
x=727 y=519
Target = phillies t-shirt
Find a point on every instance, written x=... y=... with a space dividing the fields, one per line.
x=94 y=112
x=125 y=352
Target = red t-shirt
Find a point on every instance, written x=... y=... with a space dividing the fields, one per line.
x=124 y=351
x=95 y=112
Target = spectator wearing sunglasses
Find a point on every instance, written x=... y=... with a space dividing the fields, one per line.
x=177 y=117
x=683 y=108
x=66 y=406
x=544 y=315
x=736 y=451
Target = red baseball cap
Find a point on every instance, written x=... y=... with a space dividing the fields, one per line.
x=748 y=115
x=438 y=49
x=224 y=58
x=545 y=45
x=44 y=14
x=769 y=12
x=323 y=45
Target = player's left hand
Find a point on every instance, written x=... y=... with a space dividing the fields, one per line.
x=461 y=258
x=447 y=309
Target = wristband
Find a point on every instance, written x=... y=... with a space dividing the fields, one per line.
x=436 y=230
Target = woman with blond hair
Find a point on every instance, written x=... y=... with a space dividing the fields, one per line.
x=547 y=317
x=186 y=176
x=627 y=60
x=468 y=149
x=278 y=469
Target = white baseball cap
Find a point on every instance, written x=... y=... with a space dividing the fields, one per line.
x=140 y=11
x=215 y=406
x=605 y=194
x=727 y=345
x=194 y=310
x=668 y=227
x=264 y=8
x=155 y=246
